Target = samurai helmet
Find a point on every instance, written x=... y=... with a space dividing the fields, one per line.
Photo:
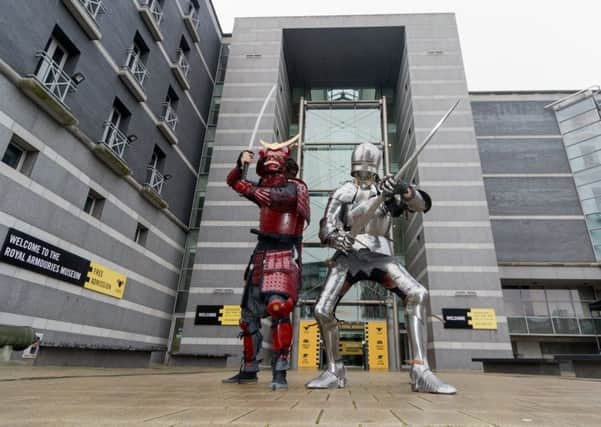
x=272 y=157
x=365 y=159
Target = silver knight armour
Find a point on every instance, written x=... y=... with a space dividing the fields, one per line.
x=370 y=251
x=366 y=157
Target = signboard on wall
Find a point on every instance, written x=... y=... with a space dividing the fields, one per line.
x=25 y=251
x=470 y=318
x=376 y=334
x=308 y=344
x=222 y=315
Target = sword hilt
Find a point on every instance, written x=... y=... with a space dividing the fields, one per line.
x=244 y=171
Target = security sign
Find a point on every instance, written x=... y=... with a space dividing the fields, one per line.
x=469 y=318
x=221 y=315
x=376 y=334
x=308 y=344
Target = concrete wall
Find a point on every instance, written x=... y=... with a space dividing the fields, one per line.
x=47 y=202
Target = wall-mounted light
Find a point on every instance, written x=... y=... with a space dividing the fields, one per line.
x=132 y=138
x=167 y=177
x=78 y=78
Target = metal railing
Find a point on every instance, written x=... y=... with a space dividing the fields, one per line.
x=182 y=62
x=53 y=77
x=154 y=179
x=155 y=9
x=136 y=66
x=94 y=7
x=169 y=116
x=193 y=14
x=115 y=139
x=553 y=325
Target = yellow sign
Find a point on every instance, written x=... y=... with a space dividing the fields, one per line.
x=376 y=334
x=482 y=318
x=106 y=281
x=308 y=344
x=229 y=315
x=351 y=348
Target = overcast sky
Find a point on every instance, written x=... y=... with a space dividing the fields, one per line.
x=507 y=45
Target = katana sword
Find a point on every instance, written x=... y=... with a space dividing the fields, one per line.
x=256 y=128
x=363 y=220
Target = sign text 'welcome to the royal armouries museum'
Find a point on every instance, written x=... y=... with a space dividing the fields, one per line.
x=25 y=251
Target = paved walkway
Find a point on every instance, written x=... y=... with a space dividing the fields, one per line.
x=173 y=397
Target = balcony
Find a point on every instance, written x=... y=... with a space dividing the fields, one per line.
x=86 y=13
x=152 y=15
x=133 y=74
x=167 y=123
x=153 y=187
x=192 y=22
x=49 y=88
x=111 y=150
x=181 y=68
x=555 y=326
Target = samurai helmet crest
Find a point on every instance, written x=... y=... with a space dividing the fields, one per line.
x=272 y=157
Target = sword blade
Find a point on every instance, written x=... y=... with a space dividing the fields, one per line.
x=361 y=222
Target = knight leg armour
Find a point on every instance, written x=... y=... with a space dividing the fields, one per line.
x=421 y=376
x=334 y=376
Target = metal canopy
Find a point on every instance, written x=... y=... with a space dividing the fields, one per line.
x=338 y=57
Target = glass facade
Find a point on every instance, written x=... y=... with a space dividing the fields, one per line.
x=580 y=126
x=551 y=311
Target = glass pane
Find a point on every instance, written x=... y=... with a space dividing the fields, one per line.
x=586 y=162
x=517 y=325
x=512 y=294
x=597 y=323
x=593 y=221
x=534 y=308
x=579 y=121
x=318 y=206
x=575 y=109
x=583 y=294
x=561 y=308
x=596 y=237
x=342 y=125
x=514 y=308
x=12 y=155
x=565 y=326
x=584 y=147
x=558 y=294
x=587 y=326
x=585 y=133
x=589 y=191
x=588 y=176
x=539 y=325
x=533 y=294
x=327 y=167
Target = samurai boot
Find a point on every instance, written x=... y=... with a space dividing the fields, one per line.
x=330 y=378
x=242 y=377
x=423 y=380
x=279 y=381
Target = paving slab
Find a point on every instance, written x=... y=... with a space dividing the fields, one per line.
x=39 y=396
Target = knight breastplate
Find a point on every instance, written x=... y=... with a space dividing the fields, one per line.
x=376 y=232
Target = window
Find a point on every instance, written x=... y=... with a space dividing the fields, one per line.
x=14 y=156
x=56 y=62
x=94 y=204
x=136 y=59
x=182 y=56
x=114 y=134
x=19 y=155
x=154 y=171
x=169 y=107
x=141 y=235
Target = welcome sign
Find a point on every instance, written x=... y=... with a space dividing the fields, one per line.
x=25 y=251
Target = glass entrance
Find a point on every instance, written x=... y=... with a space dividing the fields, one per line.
x=332 y=124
